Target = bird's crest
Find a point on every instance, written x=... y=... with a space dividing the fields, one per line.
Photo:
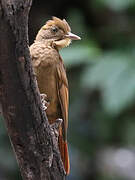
x=58 y=22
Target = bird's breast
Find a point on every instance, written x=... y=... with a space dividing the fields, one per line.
x=45 y=60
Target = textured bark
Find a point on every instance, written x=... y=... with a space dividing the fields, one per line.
x=33 y=141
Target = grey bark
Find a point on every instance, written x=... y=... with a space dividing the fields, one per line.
x=33 y=141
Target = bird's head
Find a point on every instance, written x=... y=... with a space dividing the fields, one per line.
x=58 y=32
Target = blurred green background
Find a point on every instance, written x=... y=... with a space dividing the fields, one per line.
x=101 y=73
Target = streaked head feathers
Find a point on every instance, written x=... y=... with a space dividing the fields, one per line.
x=57 y=32
x=62 y=24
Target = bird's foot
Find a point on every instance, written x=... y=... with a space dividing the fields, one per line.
x=45 y=104
x=55 y=127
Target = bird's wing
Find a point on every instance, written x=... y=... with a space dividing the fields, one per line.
x=62 y=89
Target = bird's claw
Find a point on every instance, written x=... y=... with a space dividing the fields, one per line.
x=45 y=104
x=55 y=127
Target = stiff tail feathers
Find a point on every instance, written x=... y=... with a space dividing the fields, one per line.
x=63 y=147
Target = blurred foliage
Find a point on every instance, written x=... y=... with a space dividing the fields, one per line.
x=79 y=54
x=116 y=82
x=101 y=73
x=8 y=164
x=117 y=5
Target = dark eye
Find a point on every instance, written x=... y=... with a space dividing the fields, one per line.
x=54 y=29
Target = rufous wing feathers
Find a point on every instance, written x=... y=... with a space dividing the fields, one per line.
x=62 y=89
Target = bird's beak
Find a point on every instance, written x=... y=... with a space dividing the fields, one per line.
x=72 y=36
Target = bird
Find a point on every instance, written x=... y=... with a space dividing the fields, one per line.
x=51 y=76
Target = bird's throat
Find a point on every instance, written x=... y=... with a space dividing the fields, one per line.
x=62 y=43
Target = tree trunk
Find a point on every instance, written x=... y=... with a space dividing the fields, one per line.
x=32 y=139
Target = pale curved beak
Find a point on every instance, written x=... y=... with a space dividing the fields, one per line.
x=72 y=36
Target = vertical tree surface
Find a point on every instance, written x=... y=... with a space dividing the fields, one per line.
x=32 y=139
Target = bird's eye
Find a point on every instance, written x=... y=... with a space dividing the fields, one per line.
x=54 y=29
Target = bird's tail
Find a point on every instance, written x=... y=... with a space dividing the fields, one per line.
x=64 y=153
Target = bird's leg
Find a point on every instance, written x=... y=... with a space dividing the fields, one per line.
x=45 y=104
